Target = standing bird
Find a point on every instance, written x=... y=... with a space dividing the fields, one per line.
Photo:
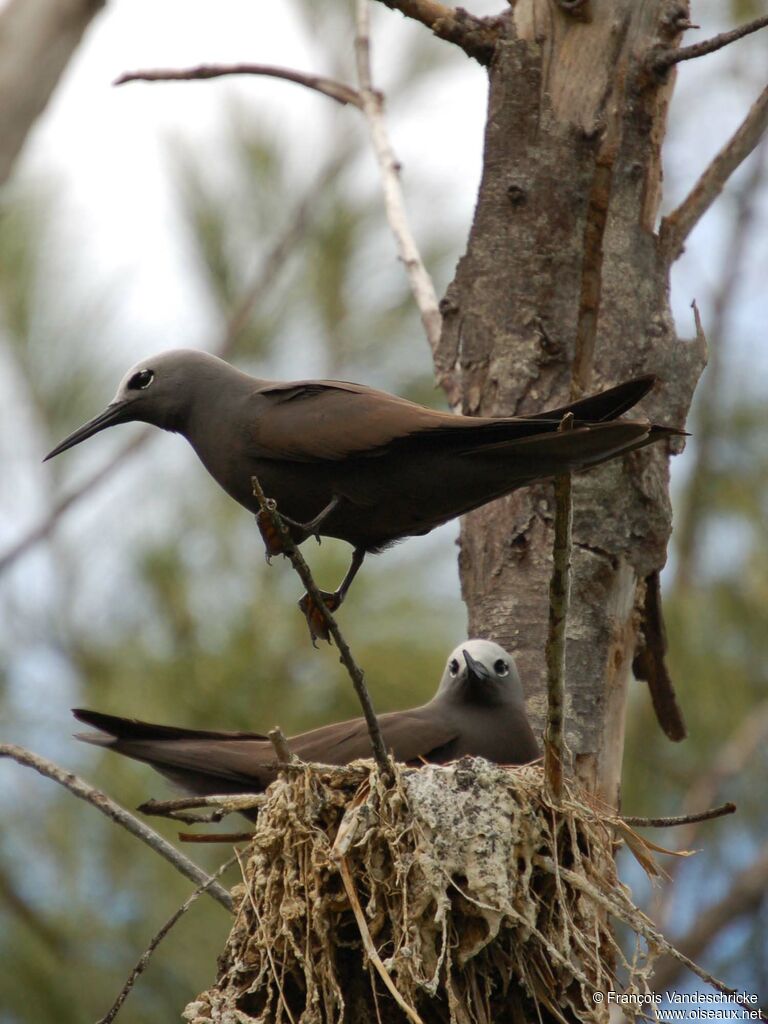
x=479 y=709
x=343 y=460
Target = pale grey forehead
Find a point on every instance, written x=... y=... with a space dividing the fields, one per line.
x=170 y=359
x=480 y=650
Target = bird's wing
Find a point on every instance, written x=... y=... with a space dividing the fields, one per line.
x=307 y=421
x=408 y=735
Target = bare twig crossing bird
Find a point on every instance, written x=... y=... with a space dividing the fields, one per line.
x=343 y=460
x=478 y=709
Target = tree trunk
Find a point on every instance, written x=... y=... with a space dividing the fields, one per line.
x=564 y=289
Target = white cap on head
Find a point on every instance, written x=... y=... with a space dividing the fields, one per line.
x=483 y=666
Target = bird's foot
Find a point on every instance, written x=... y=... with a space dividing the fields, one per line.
x=272 y=540
x=318 y=628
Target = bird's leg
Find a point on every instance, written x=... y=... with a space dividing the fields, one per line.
x=313 y=615
x=271 y=537
x=312 y=525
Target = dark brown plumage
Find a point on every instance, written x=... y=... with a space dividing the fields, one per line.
x=346 y=461
x=478 y=709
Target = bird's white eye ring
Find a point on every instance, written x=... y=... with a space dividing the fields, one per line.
x=141 y=380
x=453 y=667
x=500 y=667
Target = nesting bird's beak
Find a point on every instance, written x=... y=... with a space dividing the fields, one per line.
x=476 y=671
x=116 y=412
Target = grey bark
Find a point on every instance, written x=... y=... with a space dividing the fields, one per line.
x=37 y=40
x=564 y=288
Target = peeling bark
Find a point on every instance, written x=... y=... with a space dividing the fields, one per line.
x=564 y=288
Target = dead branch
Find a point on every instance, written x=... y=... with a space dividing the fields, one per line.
x=319 y=83
x=662 y=60
x=373 y=107
x=215 y=837
x=291 y=551
x=477 y=37
x=120 y=816
x=681 y=819
x=37 y=40
x=47 y=525
x=676 y=227
x=728 y=762
x=282 y=750
x=693 y=505
x=746 y=893
x=559 y=596
x=643 y=926
x=223 y=805
x=141 y=964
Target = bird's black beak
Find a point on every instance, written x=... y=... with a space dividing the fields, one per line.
x=476 y=671
x=116 y=412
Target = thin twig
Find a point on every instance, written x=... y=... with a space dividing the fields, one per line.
x=119 y=815
x=559 y=595
x=663 y=59
x=319 y=83
x=46 y=526
x=262 y=283
x=215 y=837
x=681 y=819
x=280 y=744
x=477 y=37
x=389 y=166
x=290 y=550
x=141 y=964
x=728 y=761
x=676 y=227
x=746 y=893
x=694 y=505
x=224 y=805
x=638 y=921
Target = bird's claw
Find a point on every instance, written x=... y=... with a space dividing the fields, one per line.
x=272 y=540
x=318 y=628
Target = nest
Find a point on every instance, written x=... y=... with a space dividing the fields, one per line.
x=457 y=894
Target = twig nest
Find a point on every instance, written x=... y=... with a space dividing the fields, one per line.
x=456 y=894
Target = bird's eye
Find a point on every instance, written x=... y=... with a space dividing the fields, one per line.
x=453 y=667
x=141 y=380
x=500 y=667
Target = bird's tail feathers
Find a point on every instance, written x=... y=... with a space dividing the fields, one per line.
x=114 y=727
x=200 y=761
x=572 y=449
x=605 y=405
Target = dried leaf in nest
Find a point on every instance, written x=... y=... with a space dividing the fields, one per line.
x=458 y=894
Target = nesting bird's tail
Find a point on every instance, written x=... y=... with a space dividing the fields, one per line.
x=200 y=761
